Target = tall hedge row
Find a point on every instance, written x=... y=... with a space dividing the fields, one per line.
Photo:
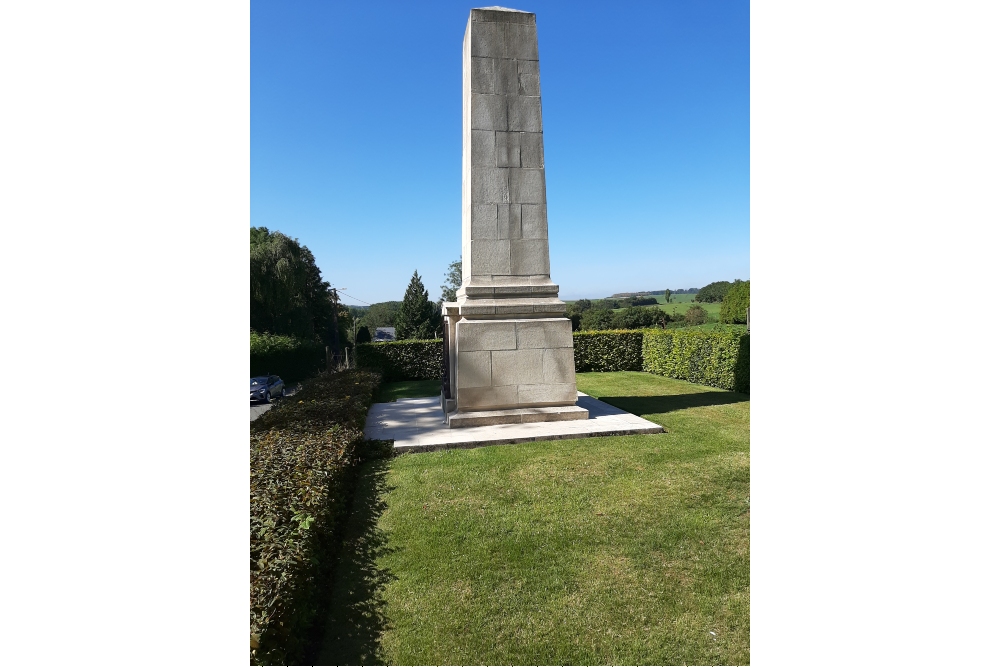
x=403 y=359
x=704 y=357
x=292 y=358
x=718 y=357
x=608 y=351
x=302 y=455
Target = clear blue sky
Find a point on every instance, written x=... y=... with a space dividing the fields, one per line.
x=356 y=140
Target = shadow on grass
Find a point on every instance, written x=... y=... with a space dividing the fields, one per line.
x=356 y=616
x=391 y=391
x=652 y=405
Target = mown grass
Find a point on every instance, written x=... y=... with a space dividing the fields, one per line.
x=674 y=298
x=620 y=550
x=390 y=391
x=711 y=309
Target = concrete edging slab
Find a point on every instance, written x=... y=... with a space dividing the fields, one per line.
x=418 y=425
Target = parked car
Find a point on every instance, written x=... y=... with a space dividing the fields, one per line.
x=262 y=388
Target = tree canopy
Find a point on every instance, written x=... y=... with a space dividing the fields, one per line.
x=452 y=281
x=714 y=292
x=382 y=314
x=418 y=317
x=734 y=306
x=288 y=295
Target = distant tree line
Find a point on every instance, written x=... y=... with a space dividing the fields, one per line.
x=690 y=290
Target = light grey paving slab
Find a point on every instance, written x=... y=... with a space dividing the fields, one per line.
x=418 y=425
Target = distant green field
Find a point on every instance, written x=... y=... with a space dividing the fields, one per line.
x=680 y=308
x=679 y=304
x=675 y=298
x=712 y=309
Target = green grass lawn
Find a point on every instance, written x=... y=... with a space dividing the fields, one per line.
x=619 y=550
x=674 y=298
x=711 y=309
x=390 y=391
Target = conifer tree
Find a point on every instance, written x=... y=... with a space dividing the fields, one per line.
x=418 y=317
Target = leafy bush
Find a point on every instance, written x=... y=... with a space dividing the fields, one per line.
x=597 y=319
x=734 y=306
x=607 y=351
x=637 y=317
x=695 y=315
x=302 y=456
x=403 y=359
x=290 y=357
x=717 y=358
x=364 y=336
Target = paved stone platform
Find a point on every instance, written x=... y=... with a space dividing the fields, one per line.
x=417 y=425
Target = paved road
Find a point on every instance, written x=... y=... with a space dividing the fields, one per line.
x=257 y=409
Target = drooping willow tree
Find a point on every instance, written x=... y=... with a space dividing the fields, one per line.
x=287 y=292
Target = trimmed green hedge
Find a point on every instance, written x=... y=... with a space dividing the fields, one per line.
x=718 y=357
x=608 y=351
x=743 y=365
x=403 y=359
x=291 y=358
x=303 y=454
x=696 y=355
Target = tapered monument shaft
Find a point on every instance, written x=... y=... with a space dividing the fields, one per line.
x=510 y=348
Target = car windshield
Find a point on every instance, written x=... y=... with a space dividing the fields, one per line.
x=254 y=381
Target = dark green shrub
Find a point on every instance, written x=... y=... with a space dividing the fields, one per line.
x=302 y=458
x=596 y=319
x=735 y=304
x=607 y=351
x=364 y=336
x=403 y=359
x=292 y=358
x=696 y=355
x=695 y=315
x=637 y=317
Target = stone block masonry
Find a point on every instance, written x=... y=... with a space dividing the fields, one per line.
x=510 y=348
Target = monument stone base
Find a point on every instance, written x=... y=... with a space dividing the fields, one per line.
x=458 y=419
x=511 y=365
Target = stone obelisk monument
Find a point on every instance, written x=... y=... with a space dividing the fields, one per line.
x=508 y=345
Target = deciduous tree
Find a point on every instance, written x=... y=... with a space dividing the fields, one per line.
x=288 y=295
x=713 y=292
x=452 y=281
